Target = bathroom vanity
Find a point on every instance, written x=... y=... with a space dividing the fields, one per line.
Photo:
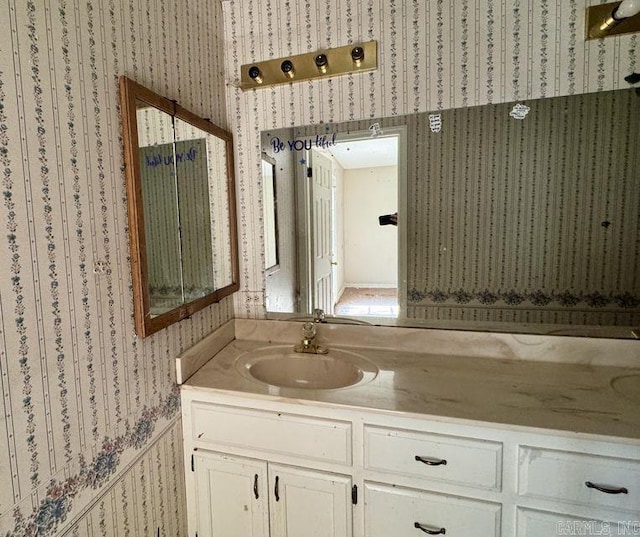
x=455 y=433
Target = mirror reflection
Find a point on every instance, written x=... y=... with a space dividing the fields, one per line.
x=181 y=209
x=270 y=216
x=158 y=181
x=513 y=217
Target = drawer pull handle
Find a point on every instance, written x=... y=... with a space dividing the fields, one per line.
x=276 y=489
x=421 y=527
x=431 y=462
x=607 y=490
x=255 y=486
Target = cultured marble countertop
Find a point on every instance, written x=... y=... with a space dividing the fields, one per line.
x=423 y=379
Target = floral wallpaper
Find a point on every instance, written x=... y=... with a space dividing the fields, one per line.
x=90 y=413
x=433 y=56
x=90 y=422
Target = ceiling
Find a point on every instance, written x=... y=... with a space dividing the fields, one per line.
x=369 y=153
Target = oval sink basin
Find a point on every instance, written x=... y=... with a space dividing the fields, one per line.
x=280 y=366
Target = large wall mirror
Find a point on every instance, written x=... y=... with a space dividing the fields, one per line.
x=182 y=214
x=519 y=217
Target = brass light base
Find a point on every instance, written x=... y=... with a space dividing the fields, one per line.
x=600 y=23
x=339 y=61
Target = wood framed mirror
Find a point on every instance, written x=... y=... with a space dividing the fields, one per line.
x=181 y=207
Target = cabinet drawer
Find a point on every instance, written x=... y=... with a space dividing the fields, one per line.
x=475 y=463
x=271 y=432
x=402 y=512
x=563 y=476
x=534 y=523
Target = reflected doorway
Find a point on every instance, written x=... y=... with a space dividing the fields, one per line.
x=353 y=258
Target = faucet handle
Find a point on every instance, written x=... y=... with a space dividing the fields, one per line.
x=318 y=315
x=309 y=330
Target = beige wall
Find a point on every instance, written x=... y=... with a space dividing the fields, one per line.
x=371 y=250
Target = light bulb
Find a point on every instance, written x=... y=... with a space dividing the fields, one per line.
x=357 y=55
x=287 y=68
x=255 y=74
x=626 y=9
x=321 y=63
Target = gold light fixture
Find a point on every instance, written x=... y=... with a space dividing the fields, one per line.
x=330 y=62
x=615 y=18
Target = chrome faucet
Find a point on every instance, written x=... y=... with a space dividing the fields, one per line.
x=308 y=344
x=318 y=316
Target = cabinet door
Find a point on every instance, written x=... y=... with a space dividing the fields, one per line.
x=305 y=503
x=232 y=498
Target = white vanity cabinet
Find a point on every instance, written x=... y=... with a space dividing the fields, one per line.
x=508 y=483
x=281 y=467
x=237 y=496
x=257 y=473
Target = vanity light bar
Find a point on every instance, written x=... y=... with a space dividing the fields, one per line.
x=325 y=63
x=601 y=22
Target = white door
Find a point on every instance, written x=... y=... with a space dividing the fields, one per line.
x=321 y=219
x=306 y=503
x=232 y=496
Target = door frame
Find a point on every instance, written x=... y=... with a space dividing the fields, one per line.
x=303 y=216
x=303 y=219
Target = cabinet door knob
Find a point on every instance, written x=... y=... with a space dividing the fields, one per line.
x=422 y=527
x=431 y=462
x=276 y=489
x=255 y=486
x=606 y=489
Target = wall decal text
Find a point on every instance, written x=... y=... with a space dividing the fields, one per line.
x=321 y=140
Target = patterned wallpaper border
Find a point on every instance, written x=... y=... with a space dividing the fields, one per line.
x=147 y=495
x=537 y=298
x=54 y=508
